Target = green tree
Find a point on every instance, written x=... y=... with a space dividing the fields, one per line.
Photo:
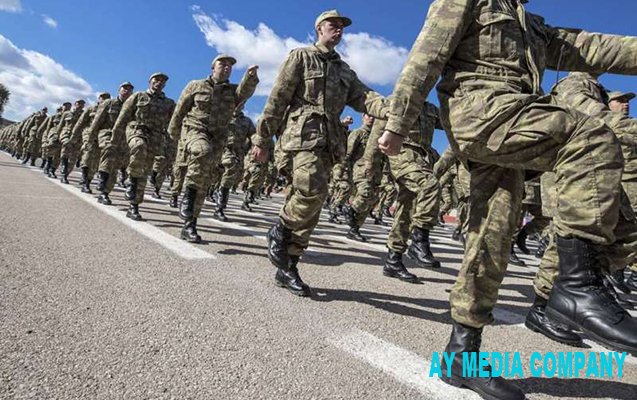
x=4 y=97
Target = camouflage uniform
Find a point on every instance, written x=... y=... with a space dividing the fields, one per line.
x=491 y=55
x=90 y=157
x=33 y=141
x=70 y=138
x=316 y=85
x=143 y=119
x=240 y=129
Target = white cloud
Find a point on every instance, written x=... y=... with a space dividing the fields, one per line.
x=36 y=80
x=376 y=60
x=10 y=5
x=49 y=21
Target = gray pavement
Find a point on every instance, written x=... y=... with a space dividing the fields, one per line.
x=94 y=308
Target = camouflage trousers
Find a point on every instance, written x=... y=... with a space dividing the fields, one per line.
x=179 y=170
x=588 y=163
x=254 y=176
x=163 y=163
x=143 y=147
x=232 y=169
x=202 y=159
x=365 y=194
x=53 y=151
x=417 y=206
x=388 y=194
x=630 y=186
x=90 y=154
x=302 y=208
x=71 y=151
x=112 y=157
x=341 y=190
x=35 y=144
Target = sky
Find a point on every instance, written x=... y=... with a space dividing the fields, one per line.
x=53 y=51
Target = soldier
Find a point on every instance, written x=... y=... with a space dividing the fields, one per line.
x=70 y=140
x=53 y=145
x=200 y=121
x=32 y=143
x=143 y=119
x=365 y=189
x=312 y=88
x=491 y=56
x=90 y=150
x=240 y=129
x=618 y=102
x=111 y=152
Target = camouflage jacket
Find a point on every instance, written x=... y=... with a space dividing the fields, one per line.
x=207 y=106
x=421 y=133
x=84 y=122
x=144 y=113
x=67 y=122
x=105 y=117
x=491 y=56
x=240 y=129
x=34 y=123
x=585 y=93
x=52 y=128
x=356 y=142
x=311 y=90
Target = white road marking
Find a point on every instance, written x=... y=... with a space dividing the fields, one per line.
x=403 y=365
x=177 y=246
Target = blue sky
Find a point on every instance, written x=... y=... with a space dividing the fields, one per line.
x=77 y=48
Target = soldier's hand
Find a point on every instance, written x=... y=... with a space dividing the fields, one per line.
x=347 y=121
x=252 y=70
x=390 y=143
x=259 y=154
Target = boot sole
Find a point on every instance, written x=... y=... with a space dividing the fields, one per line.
x=391 y=275
x=563 y=319
x=422 y=264
x=300 y=293
x=191 y=240
x=462 y=383
x=535 y=328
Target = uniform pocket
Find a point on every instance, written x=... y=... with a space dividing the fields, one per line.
x=498 y=36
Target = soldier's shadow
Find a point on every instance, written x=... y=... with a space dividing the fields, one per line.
x=401 y=305
x=577 y=387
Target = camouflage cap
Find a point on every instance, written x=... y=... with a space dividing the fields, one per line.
x=332 y=14
x=127 y=83
x=67 y=103
x=232 y=60
x=620 y=95
x=158 y=75
x=104 y=95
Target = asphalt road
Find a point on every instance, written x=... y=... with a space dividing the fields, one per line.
x=95 y=306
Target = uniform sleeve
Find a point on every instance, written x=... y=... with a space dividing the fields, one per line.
x=363 y=99
x=184 y=104
x=577 y=50
x=372 y=152
x=98 y=120
x=246 y=88
x=287 y=81
x=125 y=116
x=353 y=141
x=445 y=25
x=444 y=163
x=80 y=124
x=58 y=129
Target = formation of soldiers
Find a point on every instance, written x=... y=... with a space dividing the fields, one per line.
x=560 y=167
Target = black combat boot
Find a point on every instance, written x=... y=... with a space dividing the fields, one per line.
x=332 y=217
x=395 y=268
x=354 y=233
x=102 y=180
x=189 y=231
x=514 y=260
x=420 y=249
x=187 y=207
x=104 y=199
x=537 y=321
x=631 y=281
x=26 y=158
x=131 y=190
x=152 y=179
x=290 y=279
x=32 y=163
x=222 y=201
x=541 y=247
x=64 y=170
x=174 y=201
x=52 y=173
x=466 y=339
x=385 y=212
x=121 y=181
x=617 y=279
x=245 y=206
x=580 y=300
x=46 y=164
x=156 y=194
x=520 y=240
x=133 y=212
x=77 y=163
x=86 y=185
x=278 y=239
x=43 y=164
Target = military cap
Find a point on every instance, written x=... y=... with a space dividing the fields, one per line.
x=67 y=103
x=232 y=60
x=80 y=101
x=104 y=95
x=158 y=75
x=620 y=95
x=332 y=14
x=127 y=83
